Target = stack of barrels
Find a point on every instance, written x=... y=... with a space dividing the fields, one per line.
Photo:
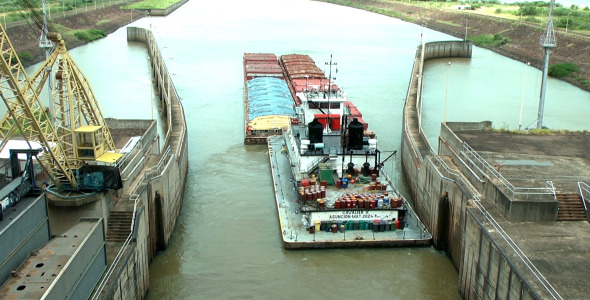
x=342 y=226
x=367 y=201
x=312 y=191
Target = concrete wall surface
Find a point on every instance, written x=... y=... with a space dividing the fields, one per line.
x=155 y=193
x=448 y=187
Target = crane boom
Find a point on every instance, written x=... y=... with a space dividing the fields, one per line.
x=26 y=110
x=76 y=134
x=7 y=126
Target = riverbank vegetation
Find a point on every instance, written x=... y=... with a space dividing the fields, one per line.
x=151 y=4
x=90 y=35
x=535 y=131
x=484 y=40
x=512 y=30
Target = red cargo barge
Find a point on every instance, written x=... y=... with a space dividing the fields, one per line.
x=268 y=105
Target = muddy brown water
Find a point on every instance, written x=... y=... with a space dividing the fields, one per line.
x=226 y=242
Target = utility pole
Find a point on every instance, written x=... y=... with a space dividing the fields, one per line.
x=547 y=42
x=48 y=45
x=447 y=92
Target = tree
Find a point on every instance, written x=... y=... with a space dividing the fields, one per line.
x=528 y=9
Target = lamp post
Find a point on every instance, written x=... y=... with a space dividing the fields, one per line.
x=466 y=30
x=447 y=92
x=567 y=22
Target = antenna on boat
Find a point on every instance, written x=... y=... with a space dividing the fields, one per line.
x=330 y=63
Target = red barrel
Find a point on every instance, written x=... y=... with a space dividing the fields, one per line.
x=362 y=203
x=372 y=204
x=373 y=177
x=337 y=204
x=348 y=203
x=334 y=228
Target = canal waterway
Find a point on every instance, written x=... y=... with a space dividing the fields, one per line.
x=226 y=243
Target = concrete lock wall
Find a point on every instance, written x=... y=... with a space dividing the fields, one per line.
x=485 y=272
x=161 y=191
x=443 y=185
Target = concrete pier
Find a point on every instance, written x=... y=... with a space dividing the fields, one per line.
x=492 y=200
x=154 y=177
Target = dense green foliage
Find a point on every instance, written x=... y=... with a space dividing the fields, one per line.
x=26 y=57
x=562 y=70
x=90 y=35
x=484 y=40
x=151 y=4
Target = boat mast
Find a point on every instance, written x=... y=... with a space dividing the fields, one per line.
x=330 y=63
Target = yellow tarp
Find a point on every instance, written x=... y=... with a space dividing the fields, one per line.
x=270 y=122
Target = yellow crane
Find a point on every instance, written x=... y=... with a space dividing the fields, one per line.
x=76 y=136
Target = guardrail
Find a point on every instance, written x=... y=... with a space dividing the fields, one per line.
x=170 y=95
x=417 y=64
x=485 y=169
x=584 y=193
x=477 y=161
x=467 y=188
x=134 y=196
x=519 y=253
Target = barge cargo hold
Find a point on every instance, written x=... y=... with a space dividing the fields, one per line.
x=268 y=105
x=330 y=188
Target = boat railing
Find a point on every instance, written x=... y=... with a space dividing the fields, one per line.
x=584 y=190
x=314 y=163
x=485 y=168
x=486 y=220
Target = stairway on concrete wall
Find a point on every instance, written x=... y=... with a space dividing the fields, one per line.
x=119 y=226
x=570 y=207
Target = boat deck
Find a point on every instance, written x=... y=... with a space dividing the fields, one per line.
x=341 y=231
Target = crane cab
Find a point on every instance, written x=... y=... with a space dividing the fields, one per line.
x=90 y=145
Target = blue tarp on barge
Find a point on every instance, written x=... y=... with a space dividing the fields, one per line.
x=269 y=96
